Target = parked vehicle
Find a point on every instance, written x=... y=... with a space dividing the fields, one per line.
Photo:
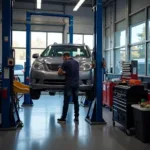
x=44 y=76
x=19 y=72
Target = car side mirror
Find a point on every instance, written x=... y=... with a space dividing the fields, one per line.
x=35 y=56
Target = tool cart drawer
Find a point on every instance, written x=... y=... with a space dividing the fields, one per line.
x=119 y=115
x=120 y=104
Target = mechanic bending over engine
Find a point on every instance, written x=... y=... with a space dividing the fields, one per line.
x=70 y=68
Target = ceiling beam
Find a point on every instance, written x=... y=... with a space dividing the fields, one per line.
x=56 y=2
x=69 y=4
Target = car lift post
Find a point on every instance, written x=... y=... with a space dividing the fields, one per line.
x=99 y=56
x=95 y=113
x=9 y=116
x=6 y=52
x=27 y=99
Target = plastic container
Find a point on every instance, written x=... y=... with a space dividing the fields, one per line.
x=142 y=123
x=104 y=92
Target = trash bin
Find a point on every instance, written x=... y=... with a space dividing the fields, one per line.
x=142 y=123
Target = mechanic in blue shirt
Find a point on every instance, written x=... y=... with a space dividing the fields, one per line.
x=70 y=68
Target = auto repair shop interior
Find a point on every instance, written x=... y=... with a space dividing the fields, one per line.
x=110 y=39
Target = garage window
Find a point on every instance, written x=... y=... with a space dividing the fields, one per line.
x=107 y=39
x=78 y=39
x=38 y=40
x=148 y=60
x=149 y=23
x=108 y=58
x=138 y=53
x=108 y=16
x=120 y=55
x=89 y=40
x=20 y=55
x=120 y=9
x=120 y=34
x=55 y=38
x=19 y=39
x=138 y=25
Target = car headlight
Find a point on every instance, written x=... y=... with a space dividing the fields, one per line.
x=85 y=67
x=38 y=66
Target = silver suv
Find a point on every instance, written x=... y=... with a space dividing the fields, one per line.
x=44 y=76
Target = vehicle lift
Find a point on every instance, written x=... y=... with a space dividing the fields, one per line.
x=95 y=112
x=27 y=99
x=9 y=117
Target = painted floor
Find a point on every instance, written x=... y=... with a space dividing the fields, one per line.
x=42 y=132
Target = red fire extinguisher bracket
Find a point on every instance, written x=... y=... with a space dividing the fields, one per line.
x=27 y=79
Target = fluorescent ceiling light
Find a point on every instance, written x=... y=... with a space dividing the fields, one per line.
x=39 y=3
x=78 y=5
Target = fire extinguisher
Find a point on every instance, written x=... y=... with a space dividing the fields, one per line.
x=4 y=93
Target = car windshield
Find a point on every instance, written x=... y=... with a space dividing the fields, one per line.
x=58 y=51
x=18 y=67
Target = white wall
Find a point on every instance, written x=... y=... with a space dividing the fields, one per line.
x=19 y=17
x=83 y=19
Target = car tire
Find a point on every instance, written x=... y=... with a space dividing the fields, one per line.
x=35 y=94
x=52 y=93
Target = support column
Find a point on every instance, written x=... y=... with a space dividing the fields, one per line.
x=95 y=113
x=7 y=52
x=0 y=42
x=71 y=29
x=71 y=39
x=99 y=69
x=65 y=35
x=27 y=99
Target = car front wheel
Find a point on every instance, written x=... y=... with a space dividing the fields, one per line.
x=35 y=94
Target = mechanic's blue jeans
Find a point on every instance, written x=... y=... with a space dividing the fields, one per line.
x=68 y=92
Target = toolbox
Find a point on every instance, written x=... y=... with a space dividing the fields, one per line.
x=123 y=97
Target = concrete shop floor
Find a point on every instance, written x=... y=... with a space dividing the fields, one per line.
x=42 y=132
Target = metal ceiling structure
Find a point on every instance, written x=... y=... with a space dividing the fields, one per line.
x=59 y=2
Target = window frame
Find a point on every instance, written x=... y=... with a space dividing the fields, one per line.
x=45 y=39
x=120 y=49
x=145 y=69
x=53 y=33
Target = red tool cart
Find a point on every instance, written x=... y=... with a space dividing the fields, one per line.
x=148 y=95
x=108 y=93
